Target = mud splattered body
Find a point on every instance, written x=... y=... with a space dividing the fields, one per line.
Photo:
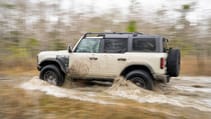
x=79 y=68
x=185 y=97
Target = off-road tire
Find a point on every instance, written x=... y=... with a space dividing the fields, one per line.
x=141 y=77
x=52 y=70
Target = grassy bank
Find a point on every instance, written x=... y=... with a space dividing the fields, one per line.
x=190 y=65
x=19 y=68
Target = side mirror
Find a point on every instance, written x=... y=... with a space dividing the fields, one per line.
x=70 y=49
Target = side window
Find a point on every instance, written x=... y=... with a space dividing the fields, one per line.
x=88 y=45
x=165 y=45
x=144 y=44
x=115 y=45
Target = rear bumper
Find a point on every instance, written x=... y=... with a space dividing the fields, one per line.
x=162 y=77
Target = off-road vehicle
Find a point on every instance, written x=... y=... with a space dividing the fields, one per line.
x=137 y=57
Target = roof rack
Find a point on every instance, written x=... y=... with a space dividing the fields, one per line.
x=105 y=33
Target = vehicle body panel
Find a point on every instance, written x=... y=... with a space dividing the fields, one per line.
x=110 y=65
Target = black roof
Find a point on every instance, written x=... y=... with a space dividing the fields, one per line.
x=118 y=34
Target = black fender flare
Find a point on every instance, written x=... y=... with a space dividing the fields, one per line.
x=61 y=62
x=137 y=66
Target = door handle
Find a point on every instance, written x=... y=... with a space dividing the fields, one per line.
x=121 y=59
x=93 y=58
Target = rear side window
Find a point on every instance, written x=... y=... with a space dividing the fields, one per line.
x=115 y=45
x=165 y=45
x=144 y=44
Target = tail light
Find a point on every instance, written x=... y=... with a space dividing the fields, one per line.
x=162 y=63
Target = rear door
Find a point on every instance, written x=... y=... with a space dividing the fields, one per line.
x=113 y=56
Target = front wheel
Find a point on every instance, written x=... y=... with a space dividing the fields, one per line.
x=52 y=75
x=141 y=79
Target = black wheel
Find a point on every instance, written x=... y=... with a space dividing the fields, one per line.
x=52 y=75
x=173 y=62
x=140 y=78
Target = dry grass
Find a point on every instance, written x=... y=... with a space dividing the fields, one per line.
x=19 y=71
x=18 y=104
x=191 y=65
x=15 y=104
x=17 y=67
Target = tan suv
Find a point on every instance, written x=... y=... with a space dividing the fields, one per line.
x=103 y=56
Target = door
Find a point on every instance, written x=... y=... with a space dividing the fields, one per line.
x=113 y=56
x=82 y=62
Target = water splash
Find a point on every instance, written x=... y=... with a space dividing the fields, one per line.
x=39 y=85
x=121 y=90
x=126 y=89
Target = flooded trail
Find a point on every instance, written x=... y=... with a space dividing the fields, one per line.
x=184 y=97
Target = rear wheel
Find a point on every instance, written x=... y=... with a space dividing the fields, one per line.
x=141 y=79
x=52 y=75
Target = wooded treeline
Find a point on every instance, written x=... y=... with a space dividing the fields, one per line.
x=27 y=27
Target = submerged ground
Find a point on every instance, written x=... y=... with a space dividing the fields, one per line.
x=28 y=97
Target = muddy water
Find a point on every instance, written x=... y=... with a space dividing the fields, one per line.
x=26 y=97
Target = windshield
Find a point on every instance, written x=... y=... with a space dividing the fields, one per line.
x=89 y=45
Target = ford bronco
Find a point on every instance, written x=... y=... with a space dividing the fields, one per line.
x=140 y=58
